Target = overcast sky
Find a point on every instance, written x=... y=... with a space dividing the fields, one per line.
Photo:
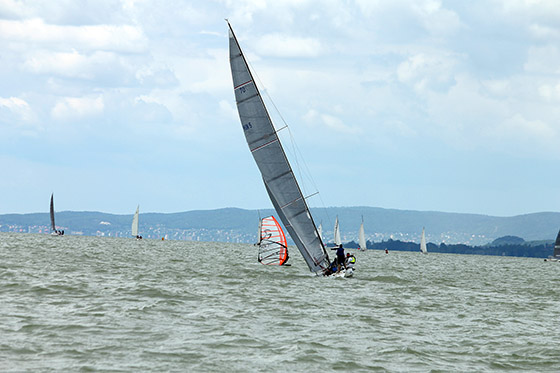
x=419 y=105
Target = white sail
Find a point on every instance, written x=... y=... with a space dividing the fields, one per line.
x=423 y=247
x=320 y=231
x=278 y=177
x=135 y=222
x=362 y=237
x=337 y=240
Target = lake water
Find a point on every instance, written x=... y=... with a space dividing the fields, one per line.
x=107 y=304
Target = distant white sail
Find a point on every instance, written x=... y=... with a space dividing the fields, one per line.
x=337 y=240
x=423 y=247
x=362 y=237
x=320 y=231
x=135 y=222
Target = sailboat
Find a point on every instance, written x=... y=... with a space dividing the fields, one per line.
x=273 y=248
x=337 y=240
x=277 y=174
x=362 y=237
x=54 y=231
x=556 y=255
x=135 y=224
x=423 y=247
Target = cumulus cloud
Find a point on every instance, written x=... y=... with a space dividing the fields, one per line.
x=543 y=60
x=280 y=45
x=424 y=69
x=18 y=108
x=550 y=92
x=330 y=121
x=71 y=108
x=123 y=38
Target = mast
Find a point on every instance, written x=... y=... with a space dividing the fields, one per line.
x=278 y=176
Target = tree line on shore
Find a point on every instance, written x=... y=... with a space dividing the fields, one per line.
x=522 y=249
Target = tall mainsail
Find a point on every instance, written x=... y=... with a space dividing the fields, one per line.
x=53 y=226
x=337 y=240
x=423 y=247
x=279 y=179
x=362 y=237
x=135 y=222
x=557 y=246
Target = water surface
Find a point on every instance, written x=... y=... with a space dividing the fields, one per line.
x=107 y=304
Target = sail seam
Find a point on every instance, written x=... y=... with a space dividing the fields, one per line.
x=262 y=146
x=247 y=98
x=289 y=203
x=242 y=84
x=278 y=177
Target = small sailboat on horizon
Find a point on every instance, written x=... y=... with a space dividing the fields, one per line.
x=54 y=231
x=362 y=244
x=423 y=247
x=337 y=240
x=135 y=223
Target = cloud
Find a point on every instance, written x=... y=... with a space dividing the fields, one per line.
x=122 y=38
x=280 y=45
x=330 y=121
x=71 y=108
x=70 y=64
x=427 y=69
x=550 y=92
x=544 y=32
x=543 y=60
x=16 y=108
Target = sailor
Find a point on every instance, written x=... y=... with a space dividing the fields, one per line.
x=386 y=251
x=350 y=260
x=341 y=260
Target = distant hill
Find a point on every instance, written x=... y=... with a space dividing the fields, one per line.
x=508 y=240
x=239 y=225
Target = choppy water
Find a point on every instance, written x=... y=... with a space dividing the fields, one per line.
x=105 y=304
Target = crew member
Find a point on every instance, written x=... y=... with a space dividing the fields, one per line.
x=341 y=260
x=350 y=260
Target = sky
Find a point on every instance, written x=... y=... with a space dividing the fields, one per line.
x=415 y=105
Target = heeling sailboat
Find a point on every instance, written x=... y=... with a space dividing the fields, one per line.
x=423 y=247
x=362 y=237
x=278 y=177
x=273 y=248
x=54 y=231
x=135 y=223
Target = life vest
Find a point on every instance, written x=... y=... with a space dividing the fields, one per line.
x=352 y=259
